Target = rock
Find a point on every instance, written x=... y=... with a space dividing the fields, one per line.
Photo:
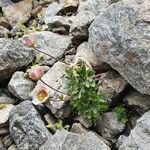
x=120 y=141
x=119 y=36
x=2 y=145
x=20 y=87
x=20 y=11
x=4 y=113
x=52 y=10
x=69 y=5
x=87 y=12
x=13 y=55
x=4 y=99
x=111 y=84
x=56 y=101
x=86 y=52
x=12 y=147
x=4 y=23
x=139 y=137
x=86 y=123
x=51 y=43
x=58 y=21
x=4 y=131
x=7 y=140
x=78 y=128
x=109 y=126
x=137 y=100
x=69 y=59
x=4 y=32
x=26 y=127
x=67 y=140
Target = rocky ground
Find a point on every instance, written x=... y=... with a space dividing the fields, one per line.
x=111 y=36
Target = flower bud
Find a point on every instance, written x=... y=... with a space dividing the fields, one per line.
x=29 y=42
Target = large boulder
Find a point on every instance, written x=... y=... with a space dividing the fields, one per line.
x=140 y=135
x=120 y=36
x=13 y=56
x=26 y=127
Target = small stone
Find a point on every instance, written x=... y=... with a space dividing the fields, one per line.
x=78 y=128
x=87 y=12
x=26 y=127
x=13 y=56
x=56 y=101
x=50 y=43
x=86 y=123
x=121 y=140
x=111 y=84
x=109 y=126
x=4 y=32
x=137 y=100
x=4 y=113
x=20 y=11
x=20 y=87
x=12 y=147
x=7 y=140
x=86 y=52
x=4 y=99
x=140 y=135
x=4 y=23
x=4 y=131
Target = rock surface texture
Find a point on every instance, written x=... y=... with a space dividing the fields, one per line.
x=26 y=127
x=139 y=137
x=120 y=36
x=13 y=55
x=67 y=141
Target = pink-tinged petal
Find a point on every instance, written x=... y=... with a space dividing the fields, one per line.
x=29 y=42
x=36 y=73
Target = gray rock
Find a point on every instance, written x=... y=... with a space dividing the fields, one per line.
x=86 y=52
x=111 y=84
x=13 y=56
x=66 y=140
x=140 y=135
x=119 y=36
x=78 y=128
x=4 y=32
x=20 y=11
x=56 y=101
x=109 y=126
x=87 y=12
x=4 y=3
x=20 y=87
x=4 y=99
x=26 y=127
x=4 y=131
x=51 y=43
x=137 y=100
x=58 y=21
x=2 y=145
x=7 y=140
x=84 y=121
x=4 y=113
x=12 y=147
x=120 y=141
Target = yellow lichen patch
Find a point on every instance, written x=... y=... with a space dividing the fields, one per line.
x=2 y=106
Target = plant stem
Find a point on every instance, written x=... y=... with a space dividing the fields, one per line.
x=53 y=88
x=49 y=55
